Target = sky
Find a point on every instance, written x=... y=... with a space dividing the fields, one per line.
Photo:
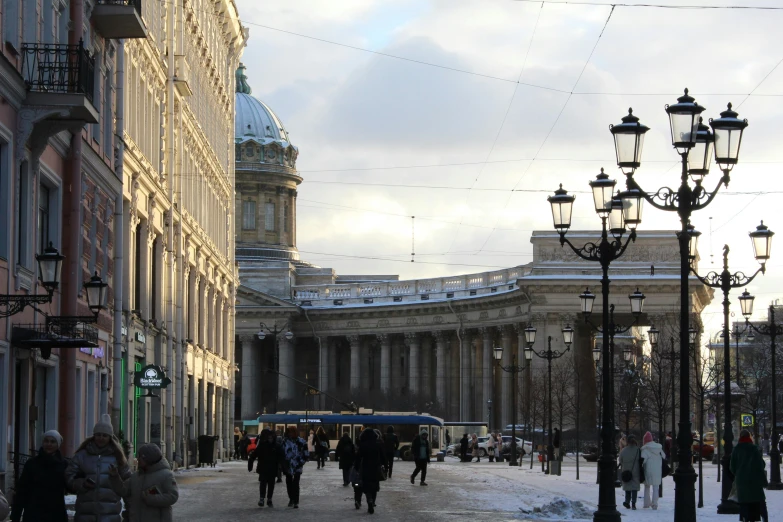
x=468 y=114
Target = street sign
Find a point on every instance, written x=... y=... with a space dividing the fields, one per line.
x=747 y=420
x=151 y=376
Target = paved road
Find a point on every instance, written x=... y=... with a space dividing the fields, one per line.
x=231 y=493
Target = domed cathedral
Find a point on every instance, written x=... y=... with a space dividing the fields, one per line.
x=266 y=181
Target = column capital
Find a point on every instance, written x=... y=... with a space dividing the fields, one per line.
x=353 y=339
x=538 y=317
x=411 y=338
x=486 y=331
x=245 y=338
x=567 y=318
x=439 y=335
x=382 y=338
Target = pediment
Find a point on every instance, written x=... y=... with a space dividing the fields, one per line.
x=253 y=298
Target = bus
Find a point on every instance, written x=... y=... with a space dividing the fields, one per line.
x=406 y=426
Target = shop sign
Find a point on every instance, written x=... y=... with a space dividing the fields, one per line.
x=140 y=337
x=151 y=376
x=95 y=352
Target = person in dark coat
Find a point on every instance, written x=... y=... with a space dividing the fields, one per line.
x=421 y=456
x=464 y=444
x=369 y=459
x=270 y=460
x=391 y=443
x=244 y=442
x=345 y=453
x=40 y=491
x=321 y=447
x=556 y=443
x=750 y=477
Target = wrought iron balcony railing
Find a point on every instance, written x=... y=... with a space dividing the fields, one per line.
x=134 y=3
x=59 y=68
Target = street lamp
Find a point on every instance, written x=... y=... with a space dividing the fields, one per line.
x=96 y=293
x=725 y=281
x=549 y=355
x=50 y=265
x=530 y=338
x=771 y=329
x=604 y=252
x=690 y=138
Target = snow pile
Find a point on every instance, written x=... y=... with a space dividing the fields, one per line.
x=560 y=508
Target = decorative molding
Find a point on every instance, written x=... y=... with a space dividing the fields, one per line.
x=353 y=340
x=411 y=338
x=382 y=338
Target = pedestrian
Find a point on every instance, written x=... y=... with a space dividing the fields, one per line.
x=474 y=444
x=780 y=444
x=151 y=492
x=667 y=446
x=345 y=453
x=244 y=442
x=3 y=506
x=87 y=475
x=629 y=461
x=321 y=447
x=391 y=444
x=370 y=459
x=270 y=459
x=652 y=457
x=623 y=443
x=279 y=440
x=765 y=444
x=295 y=454
x=237 y=436
x=311 y=443
x=556 y=443
x=491 y=447
x=448 y=439
x=421 y=456
x=750 y=478
x=464 y=445
x=40 y=491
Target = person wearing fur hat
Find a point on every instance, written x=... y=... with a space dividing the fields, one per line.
x=151 y=491
x=40 y=491
x=652 y=459
x=87 y=475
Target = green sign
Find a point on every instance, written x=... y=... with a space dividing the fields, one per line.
x=747 y=420
x=151 y=377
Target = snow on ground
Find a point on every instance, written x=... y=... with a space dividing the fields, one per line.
x=521 y=490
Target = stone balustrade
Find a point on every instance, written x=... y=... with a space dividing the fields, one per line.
x=410 y=291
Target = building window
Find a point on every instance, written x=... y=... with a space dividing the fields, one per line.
x=248 y=215
x=44 y=198
x=269 y=219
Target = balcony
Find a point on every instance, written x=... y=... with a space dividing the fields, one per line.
x=61 y=78
x=119 y=19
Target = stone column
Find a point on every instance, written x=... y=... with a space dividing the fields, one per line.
x=385 y=343
x=250 y=400
x=286 y=358
x=414 y=345
x=465 y=378
x=441 y=354
x=486 y=370
x=425 y=376
x=505 y=379
x=323 y=369
x=219 y=420
x=333 y=362
x=364 y=361
x=455 y=378
x=202 y=408
x=355 y=342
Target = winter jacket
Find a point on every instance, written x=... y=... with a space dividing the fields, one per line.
x=149 y=494
x=750 y=473
x=629 y=460
x=270 y=459
x=295 y=454
x=3 y=506
x=416 y=448
x=345 y=452
x=40 y=491
x=556 y=441
x=391 y=443
x=653 y=456
x=464 y=444
x=100 y=504
x=311 y=443
x=369 y=458
x=322 y=444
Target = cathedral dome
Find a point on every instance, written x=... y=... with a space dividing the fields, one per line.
x=253 y=119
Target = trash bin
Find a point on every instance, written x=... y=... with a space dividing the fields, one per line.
x=554 y=467
x=441 y=456
x=206 y=450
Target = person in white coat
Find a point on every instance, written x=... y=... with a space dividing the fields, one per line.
x=653 y=456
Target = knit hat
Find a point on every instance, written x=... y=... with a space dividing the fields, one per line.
x=647 y=438
x=150 y=453
x=104 y=426
x=55 y=435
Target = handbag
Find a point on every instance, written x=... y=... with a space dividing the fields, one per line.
x=665 y=469
x=381 y=473
x=355 y=477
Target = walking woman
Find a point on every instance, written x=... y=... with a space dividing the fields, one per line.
x=630 y=474
x=311 y=443
x=295 y=454
x=391 y=443
x=237 y=436
x=151 y=492
x=464 y=445
x=474 y=444
x=491 y=447
x=421 y=456
x=750 y=477
x=652 y=455
x=40 y=491
x=345 y=453
x=369 y=460
x=321 y=447
x=270 y=459
x=87 y=475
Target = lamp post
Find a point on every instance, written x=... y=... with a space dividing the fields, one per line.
x=530 y=338
x=274 y=332
x=489 y=414
x=771 y=329
x=614 y=218
x=692 y=139
x=549 y=355
x=50 y=265
x=725 y=281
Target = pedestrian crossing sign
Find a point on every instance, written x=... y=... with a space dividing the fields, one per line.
x=747 y=419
